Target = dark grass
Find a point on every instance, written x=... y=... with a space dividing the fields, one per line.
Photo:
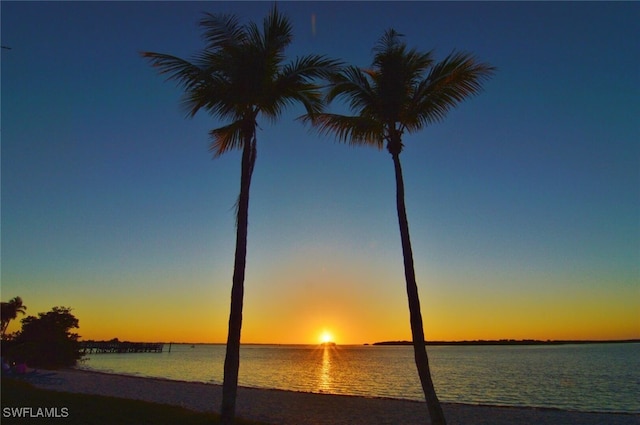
x=86 y=409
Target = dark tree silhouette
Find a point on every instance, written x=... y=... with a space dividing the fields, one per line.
x=402 y=91
x=239 y=76
x=9 y=311
x=47 y=341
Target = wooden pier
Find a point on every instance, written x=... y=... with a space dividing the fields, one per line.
x=99 y=347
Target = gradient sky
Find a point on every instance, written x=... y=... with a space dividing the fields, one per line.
x=524 y=205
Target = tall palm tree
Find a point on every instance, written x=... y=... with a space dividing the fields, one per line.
x=239 y=76
x=9 y=311
x=402 y=91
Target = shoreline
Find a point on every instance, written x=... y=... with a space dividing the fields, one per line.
x=383 y=398
x=283 y=407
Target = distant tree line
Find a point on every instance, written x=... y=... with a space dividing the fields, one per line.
x=508 y=342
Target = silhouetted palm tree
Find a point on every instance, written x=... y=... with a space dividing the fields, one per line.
x=9 y=311
x=403 y=91
x=239 y=76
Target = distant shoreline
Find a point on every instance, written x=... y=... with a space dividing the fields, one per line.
x=511 y=342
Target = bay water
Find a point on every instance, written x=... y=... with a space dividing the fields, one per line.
x=581 y=377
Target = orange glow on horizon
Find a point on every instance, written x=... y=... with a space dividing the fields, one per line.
x=356 y=317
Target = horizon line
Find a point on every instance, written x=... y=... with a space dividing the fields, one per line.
x=407 y=342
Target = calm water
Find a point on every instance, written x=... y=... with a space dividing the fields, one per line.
x=594 y=377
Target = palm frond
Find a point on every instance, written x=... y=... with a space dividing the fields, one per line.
x=277 y=33
x=450 y=81
x=353 y=130
x=241 y=74
x=395 y=72
x=212 y=61
x=392 y=51
x=197 y=81
x=311 y=67
x=255 y=38
x=222 y=31
x=227 y=138
x=308 y=94
x=390 y=40
x=184 y=72
x=353 y=85
x=416 y=63
x=403 y=90
x=296 y=83
x=216 y=96
x=461 y=74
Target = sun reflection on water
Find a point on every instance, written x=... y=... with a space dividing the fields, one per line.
x=326 y=381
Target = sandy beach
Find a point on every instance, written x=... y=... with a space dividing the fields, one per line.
x=279 y=407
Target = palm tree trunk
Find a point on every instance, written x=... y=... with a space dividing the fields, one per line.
x=420 y=352
x=232 y=356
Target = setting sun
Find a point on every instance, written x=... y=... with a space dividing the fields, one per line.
x=326 y=337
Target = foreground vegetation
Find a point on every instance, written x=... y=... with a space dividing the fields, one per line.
x=47 y=341
x=88 y=409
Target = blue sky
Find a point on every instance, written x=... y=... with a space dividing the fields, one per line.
x=524 y=203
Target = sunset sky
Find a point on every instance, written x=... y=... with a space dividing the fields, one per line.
x=524 y=205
